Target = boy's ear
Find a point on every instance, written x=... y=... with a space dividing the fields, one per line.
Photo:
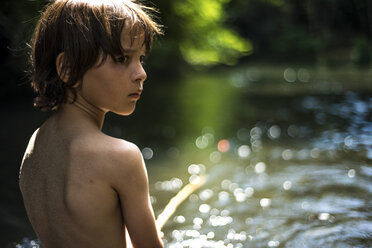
x=62 y=69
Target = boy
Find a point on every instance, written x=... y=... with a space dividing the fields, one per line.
x=82 y=188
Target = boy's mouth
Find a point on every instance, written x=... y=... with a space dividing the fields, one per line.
x=136 y=95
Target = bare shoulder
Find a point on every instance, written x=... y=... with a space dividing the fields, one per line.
x=118 y=159
x=128 y=170
x=101 y=146
x=122 y=153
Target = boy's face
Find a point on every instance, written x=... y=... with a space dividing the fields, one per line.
x=117 y=86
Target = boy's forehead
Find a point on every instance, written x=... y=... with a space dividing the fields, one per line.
x=132 y=39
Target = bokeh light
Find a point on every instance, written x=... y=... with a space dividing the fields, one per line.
x=303 y=75
x=206 y=194
x=351 y=173
x=274 y=132
x=223 y=145
x=260 y=168
x=244 y=151
x=290 y=75
x=265 y=202
x=287 y=185
x=195 y=169
x=179 y=219
x=215 y=157
x=204 y=208
x=147 y=153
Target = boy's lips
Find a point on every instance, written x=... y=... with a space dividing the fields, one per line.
x=135 y=95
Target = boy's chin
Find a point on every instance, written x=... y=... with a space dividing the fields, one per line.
x=124 y=113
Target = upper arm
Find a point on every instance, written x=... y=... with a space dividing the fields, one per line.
x=131 y=183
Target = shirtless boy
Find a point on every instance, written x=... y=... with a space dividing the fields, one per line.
x=82 y=188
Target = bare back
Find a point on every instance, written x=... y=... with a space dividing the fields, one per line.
x=66 y=190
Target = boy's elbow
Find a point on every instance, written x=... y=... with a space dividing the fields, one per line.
x=160 y=245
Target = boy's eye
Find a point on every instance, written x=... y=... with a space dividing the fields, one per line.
x=142 y=59
x=122 y=59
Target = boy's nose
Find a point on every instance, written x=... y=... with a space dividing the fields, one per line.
x=139 y=75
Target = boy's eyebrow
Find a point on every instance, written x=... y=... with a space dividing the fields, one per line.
x=129 y=50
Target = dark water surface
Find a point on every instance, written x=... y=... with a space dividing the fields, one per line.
x=288 y=153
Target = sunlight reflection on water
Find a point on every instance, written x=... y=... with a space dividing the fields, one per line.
x=288 y=185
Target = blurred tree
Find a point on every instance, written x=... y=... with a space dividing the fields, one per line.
x=196 y=30
x=303 y=30
x=206 y=40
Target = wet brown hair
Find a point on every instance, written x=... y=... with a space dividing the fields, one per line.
x=81 y=30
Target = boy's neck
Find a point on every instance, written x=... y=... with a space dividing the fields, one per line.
x=86 y=110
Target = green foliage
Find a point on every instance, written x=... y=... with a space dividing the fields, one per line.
x=206 y=40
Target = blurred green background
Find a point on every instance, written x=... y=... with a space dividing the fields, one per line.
x=287 y=83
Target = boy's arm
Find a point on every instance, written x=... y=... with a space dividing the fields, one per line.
x=131 y=183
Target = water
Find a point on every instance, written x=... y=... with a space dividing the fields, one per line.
x=289 y=158
x=304 y=184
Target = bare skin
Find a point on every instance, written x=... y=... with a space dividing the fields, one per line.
x=82 y=188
